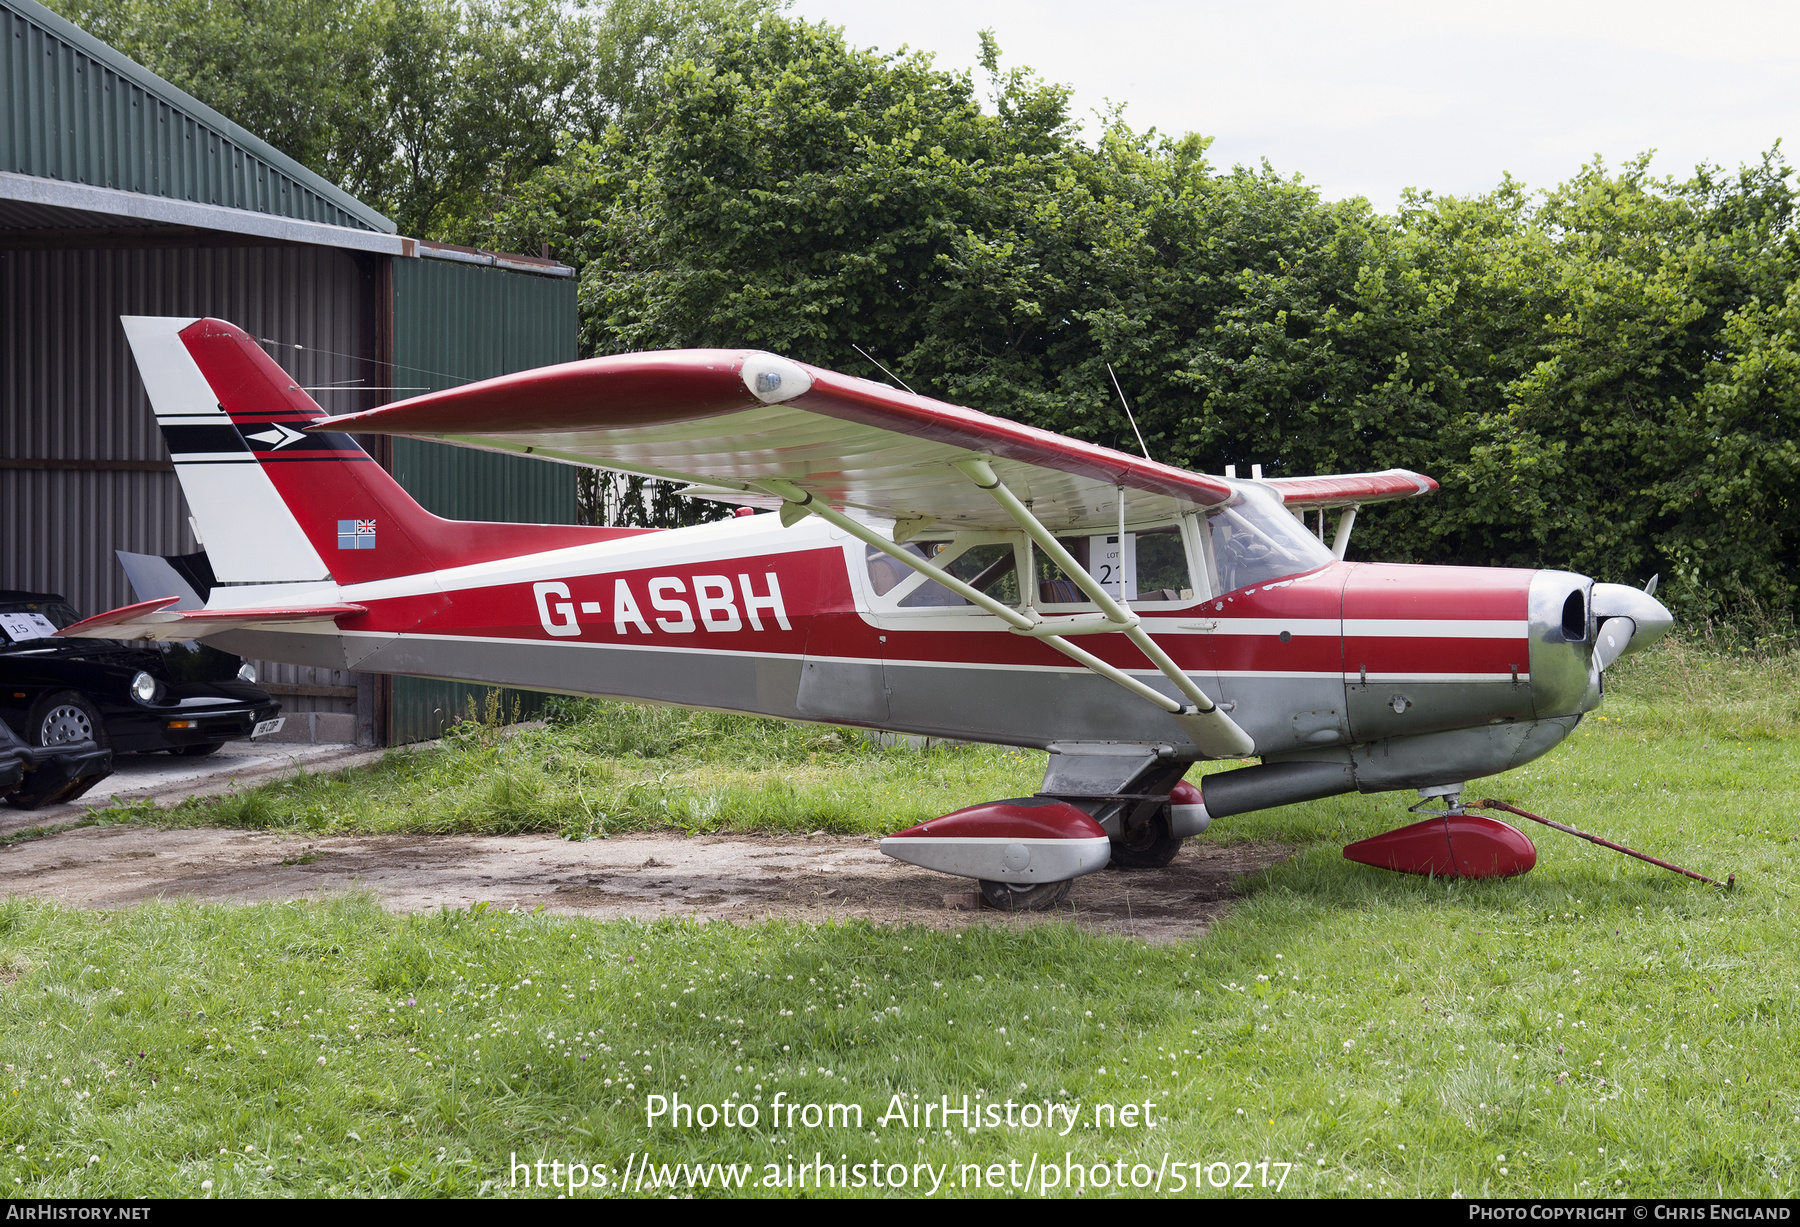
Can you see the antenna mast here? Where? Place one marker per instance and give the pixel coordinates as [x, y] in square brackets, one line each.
[1128, 414]
[865, 353]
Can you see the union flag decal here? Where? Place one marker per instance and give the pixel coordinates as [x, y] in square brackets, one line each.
[356, 534]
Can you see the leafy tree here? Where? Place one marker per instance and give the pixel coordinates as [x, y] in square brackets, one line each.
[428, 109]
[1602, 376]
[1639, 426]
[1575, 368]
[800, 195]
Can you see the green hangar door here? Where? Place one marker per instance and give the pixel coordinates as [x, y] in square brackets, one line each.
[455, 323]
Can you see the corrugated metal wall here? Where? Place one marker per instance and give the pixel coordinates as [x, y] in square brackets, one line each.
[71, 401]
[454, 324]
[74, 109]
[83, 469]
[58, 531]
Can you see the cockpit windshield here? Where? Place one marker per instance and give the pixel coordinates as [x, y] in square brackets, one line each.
[1256, 539]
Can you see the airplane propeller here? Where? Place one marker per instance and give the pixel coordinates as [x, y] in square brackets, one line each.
[1627, 620]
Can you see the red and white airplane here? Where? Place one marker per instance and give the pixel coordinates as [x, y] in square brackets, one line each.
[932, 570]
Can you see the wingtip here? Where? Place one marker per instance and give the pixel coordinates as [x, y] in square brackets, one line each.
[773, 379]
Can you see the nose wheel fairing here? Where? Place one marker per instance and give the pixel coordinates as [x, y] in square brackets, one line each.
[1450, 846]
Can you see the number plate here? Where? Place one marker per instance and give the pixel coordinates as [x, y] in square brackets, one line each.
[268, 726]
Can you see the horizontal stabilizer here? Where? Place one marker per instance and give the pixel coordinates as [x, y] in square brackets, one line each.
[158, 620]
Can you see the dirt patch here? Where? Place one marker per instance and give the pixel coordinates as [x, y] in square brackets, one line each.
[719, 877]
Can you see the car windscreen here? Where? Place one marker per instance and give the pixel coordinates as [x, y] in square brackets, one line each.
[24, 621]
[1256, 539]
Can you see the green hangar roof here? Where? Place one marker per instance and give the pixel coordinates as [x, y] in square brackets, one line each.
[86, 131]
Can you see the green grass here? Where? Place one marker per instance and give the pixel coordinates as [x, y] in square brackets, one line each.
[598, 768]
[1607, 1027]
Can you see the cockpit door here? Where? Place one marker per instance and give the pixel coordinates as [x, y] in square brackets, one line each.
[1275, 626]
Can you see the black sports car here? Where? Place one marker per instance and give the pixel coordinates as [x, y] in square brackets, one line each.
[32, 776]
[188, 700]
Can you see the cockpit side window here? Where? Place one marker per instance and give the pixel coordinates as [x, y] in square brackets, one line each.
[886, 574]
[1255, 539]
[1150, 565]
[989, 567]
[1156, 563]
[1162, 566]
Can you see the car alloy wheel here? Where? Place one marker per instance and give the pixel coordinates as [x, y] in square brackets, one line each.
[64, 725]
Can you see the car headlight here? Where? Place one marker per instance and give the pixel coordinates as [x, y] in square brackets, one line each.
[247, 673]
[144, 688]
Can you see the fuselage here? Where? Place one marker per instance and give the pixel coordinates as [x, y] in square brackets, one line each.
[747, 615]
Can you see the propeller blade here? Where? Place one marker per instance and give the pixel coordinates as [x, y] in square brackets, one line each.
[1614, 637]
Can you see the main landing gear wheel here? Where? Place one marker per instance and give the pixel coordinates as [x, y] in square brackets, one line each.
[1005, 897]
[1151, 846]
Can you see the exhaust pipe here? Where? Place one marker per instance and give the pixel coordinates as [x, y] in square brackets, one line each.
[1273, 784]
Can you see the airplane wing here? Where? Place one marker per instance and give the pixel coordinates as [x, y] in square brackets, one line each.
[156, 620]
[1349, 489]
[721, 420]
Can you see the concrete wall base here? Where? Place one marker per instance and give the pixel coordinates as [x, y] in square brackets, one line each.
[316, 727]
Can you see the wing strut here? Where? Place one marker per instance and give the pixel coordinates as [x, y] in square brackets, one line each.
[1217, 734]
[1341, 541]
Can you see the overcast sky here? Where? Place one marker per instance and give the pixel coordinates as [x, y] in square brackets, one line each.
[1367, 97]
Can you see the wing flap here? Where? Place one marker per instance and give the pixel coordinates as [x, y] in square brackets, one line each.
[156, 620]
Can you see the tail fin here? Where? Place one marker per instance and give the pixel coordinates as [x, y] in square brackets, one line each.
[273, 503]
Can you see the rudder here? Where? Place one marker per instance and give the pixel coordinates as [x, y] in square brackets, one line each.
[274, 502]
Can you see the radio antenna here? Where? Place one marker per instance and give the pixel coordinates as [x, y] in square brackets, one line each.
[1128, 416]
[865, 353]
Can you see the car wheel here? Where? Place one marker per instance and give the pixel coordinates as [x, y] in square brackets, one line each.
[202, 749]
[65, 718]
